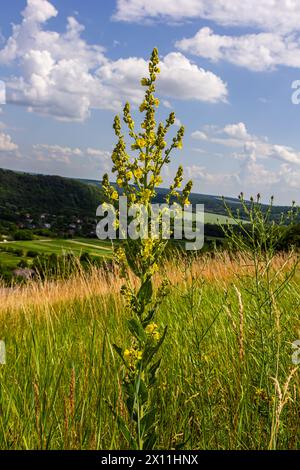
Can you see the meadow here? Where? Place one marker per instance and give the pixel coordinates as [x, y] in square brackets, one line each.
[96, 248]
[226, 380]
[166, 349]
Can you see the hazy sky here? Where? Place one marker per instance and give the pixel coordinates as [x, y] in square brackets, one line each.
[227, 69]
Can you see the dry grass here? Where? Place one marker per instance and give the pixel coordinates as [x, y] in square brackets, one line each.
[222, 268]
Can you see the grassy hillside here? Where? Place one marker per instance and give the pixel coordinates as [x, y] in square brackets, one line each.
[50, 194]
[213, 204]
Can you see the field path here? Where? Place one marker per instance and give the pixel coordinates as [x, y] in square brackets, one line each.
[90, 244]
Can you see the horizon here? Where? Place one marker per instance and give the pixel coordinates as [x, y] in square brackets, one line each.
[164, 188]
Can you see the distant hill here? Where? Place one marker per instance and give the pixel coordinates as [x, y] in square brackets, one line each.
[66, 196]
[49, 194]
[212, 204]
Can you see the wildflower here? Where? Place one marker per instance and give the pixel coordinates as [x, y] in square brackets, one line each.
[129, 175]
[141, 142]
[145, 82]
[138, 173]
[156, 180]
[147, 249]
[132, 356]
[146, 194]
[115, 195]
[143, 106]
[152, 331]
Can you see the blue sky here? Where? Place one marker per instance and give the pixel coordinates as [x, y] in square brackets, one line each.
[226, 70]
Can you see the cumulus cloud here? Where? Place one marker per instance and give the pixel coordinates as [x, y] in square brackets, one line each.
[281, 15]
[6, 143]
[258, 52]
[64, 160]
[236, 136]
[274, 42]
[201, 173]
[57, 152]
[251, 177]
[256, 172]
[61, 75]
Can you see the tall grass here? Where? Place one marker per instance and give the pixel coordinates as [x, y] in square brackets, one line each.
[226, 382]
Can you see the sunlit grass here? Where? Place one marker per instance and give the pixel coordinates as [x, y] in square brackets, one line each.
[61, 367]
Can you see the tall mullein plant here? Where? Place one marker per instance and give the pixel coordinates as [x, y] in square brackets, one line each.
[137, 177]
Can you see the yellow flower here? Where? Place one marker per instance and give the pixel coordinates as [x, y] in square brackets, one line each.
[146, 194]
[119, 182]
[147, 250]
[139, 355]
[141, 142]
[150, 328]
[156, 179]
[152, 331]
[115, 195]
[127, 353]
[138, 173]
[132, 356]
[129, 175]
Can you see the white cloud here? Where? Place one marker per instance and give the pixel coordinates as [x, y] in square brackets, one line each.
[258, 52]
[82, 162]
[177, 122]
[283, 15]
[167, 104]
[57, 151]
[6, 143]
[201, 173]
[256, 172]
[179, 78]
[237, 131]
[236, 136]
[61, 75]
[98, 153]
[199, 135]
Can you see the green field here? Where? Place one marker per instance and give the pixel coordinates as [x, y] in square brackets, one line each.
[78, 246]
[218, 219]
[96, 248]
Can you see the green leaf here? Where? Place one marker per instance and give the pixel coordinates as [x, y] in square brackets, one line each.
[143, 391]
[148, 421]
[136, 328]
[149, 317]
[146, 291]
[119, 351]
[152, 372]
[150, 351]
